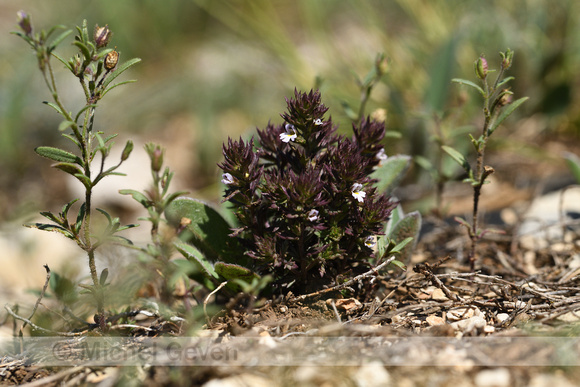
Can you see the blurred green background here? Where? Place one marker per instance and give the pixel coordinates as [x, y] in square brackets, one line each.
[213, 69]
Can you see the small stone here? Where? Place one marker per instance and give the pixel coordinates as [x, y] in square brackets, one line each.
[498, 377]
[460, 313]
[502, 317]
[372, 374]
[347, 304]
[471, 324]
[438, 295]
[241, 381]
[434, 320]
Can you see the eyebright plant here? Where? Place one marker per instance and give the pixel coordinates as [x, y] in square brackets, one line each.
[311, 208]
[305, 201]
[95, 67]
[498, 104]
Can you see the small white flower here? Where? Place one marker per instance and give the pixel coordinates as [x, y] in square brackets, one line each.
[318, 121]
[227, 179]
[370, 242]
[358, 193]
[381, 155]
[313, 215]
[290, 134]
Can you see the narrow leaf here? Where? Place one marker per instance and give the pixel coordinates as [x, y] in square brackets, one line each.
[80, 218]
[84, 180]
[461, 160]
[84, 49]
[65, 125]
[406, 229]
[194, 255]
[57, 154]
[118, 84]
[233, 272]
[64, 62]
[573, 162]
[103, 277]
[399, 264]
[504, 81]
[52, 227]
[424, 163]
[83, 110]
[49, 215]
[71, 169]
[469, 83]
[390, 173]
[119, 70]
[138, 196]
[58, 40]
[55, 107]
[505, 113]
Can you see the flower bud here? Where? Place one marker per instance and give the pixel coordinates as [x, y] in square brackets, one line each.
[111, 60]
[505, 98]
[102, 36]
[382, 64]
[155, 153]
[76, 63]
[481, 68]
[506, 59]
[24, 22]
[127, 151]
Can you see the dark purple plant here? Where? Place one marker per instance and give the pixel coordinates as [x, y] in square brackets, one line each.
[304, 199]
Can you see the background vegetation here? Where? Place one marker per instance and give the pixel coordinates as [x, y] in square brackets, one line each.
[216, 69]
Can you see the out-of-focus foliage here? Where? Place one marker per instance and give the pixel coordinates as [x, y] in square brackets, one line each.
[214, 69]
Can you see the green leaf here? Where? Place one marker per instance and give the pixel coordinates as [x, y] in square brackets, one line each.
[55, 107]
[348, 111]
[117, 84]
[71, 169]
[138, 196]
[390, 173]
[63, 61]
[424, 163]
[85, 180]
[51, 227]
[84, 49]
[573, 162]
[119, 70]
[441, 68]
[57, 154]
[58, 40]
[505, 113]
[49, 215]
[208, 230]
[80, 218]
[469, 83]
[399, 264]
[194, 255]
[461, 160]
[231, 272]
[67, 207]
[103, 277]
[504, 81]
[403, 231]
[74, 140]
[65, 125]
[83, 110]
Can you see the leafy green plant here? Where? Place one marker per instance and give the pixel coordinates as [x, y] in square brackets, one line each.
[95, 67]
[309, 204]
[155, 200]
[497, 106]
